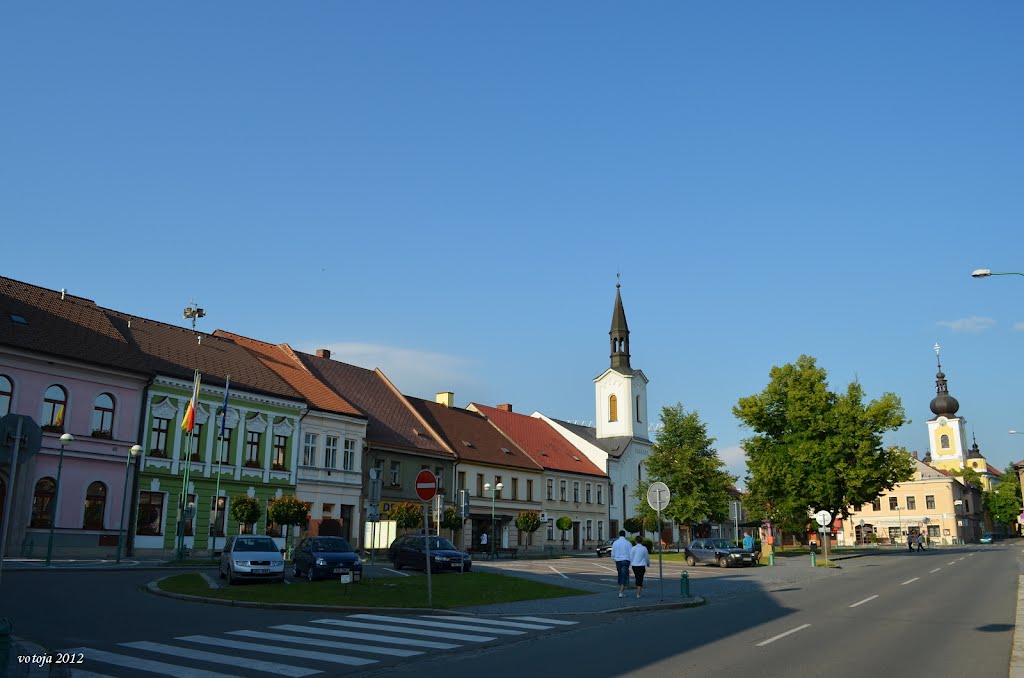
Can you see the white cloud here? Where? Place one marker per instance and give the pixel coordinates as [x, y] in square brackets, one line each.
[735, 460]
[1018, 327]
[413, 372]
[974, 324]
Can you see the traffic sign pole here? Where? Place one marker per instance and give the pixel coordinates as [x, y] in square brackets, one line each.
[10, 492]
[658, 496]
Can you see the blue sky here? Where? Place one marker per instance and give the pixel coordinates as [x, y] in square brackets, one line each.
[447, 190]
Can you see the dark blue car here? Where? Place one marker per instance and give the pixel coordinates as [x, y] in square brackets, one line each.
[318, 557]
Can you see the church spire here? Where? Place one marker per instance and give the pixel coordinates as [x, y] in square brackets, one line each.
[943, 404]
[619, 334]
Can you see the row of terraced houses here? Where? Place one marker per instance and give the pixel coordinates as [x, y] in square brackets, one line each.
[295, 423]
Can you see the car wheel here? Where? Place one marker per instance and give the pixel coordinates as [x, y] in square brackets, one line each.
[310, 577]
[398, 565]
[295, 570]
[231, 580]
[691, 561]
[723, 562]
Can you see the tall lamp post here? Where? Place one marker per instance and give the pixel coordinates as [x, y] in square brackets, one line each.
[65, 439]
[985, 273]
[497, 489]
[133, 452]
[958, 511]
[899, 521]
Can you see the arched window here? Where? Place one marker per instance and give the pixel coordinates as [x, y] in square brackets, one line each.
[944, 442]
[103, 416]
[638, 420]
[95, 503]
[6, 393]
[42, 501]
[55, 402]
[613, 408]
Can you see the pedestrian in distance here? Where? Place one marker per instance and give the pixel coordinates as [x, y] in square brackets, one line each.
[640, 559]
[621, 549]
[910, 542]
[748, 541]
[920, 542]
[483, 539]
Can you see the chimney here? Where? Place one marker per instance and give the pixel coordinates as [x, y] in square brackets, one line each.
[505, 407]
[446, 398]
[323, 353]
[63, 294]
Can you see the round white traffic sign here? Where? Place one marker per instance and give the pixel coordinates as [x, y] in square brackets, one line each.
[658, 496]
[823, 518]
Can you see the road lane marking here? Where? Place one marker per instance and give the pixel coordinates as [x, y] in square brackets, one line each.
[375, 637]
[390, 651]
[244, 662]
[410, 632]
[144, 664]
[951, 563]
[544, 620]
[557, 572]
[611, 569]
[782, 635]
[864, 601]
[433, 624]
[288, 651]
[492, 622]
[935, 570]
[404, 574]
[909, 581]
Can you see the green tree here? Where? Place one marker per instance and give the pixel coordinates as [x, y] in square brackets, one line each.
[968, 475]
[406, 515]
[245, 510]
[450, 520]
[1003, 503]
[528, 522]
[287, 511]
[633, 525]
[813, 449]
[564, 523]
[684, 458]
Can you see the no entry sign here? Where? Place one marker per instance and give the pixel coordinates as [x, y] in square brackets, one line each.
[426, 485]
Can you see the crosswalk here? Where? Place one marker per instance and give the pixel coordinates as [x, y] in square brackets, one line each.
[326, 646]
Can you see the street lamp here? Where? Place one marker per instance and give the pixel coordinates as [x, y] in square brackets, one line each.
[133, 452]
[65, 439]
[497, 489]
[899, 520]
[960, 522]
[985, 273]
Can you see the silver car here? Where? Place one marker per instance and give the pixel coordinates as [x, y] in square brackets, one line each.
[249, 556]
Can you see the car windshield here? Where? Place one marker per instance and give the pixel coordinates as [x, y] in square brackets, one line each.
[721, 544]
[337, 545]
[440, 544]
[255, 544]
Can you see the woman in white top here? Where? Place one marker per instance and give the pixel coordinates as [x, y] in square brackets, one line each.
[640, 559]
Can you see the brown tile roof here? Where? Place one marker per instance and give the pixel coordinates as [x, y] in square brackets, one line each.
[73, 327]
[542, 442]
[472, 436]
[286, 364]
[178, 351]
[391, 421]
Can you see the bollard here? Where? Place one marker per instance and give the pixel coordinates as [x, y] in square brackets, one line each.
[814, 559]
[771, 559]
[684, 584]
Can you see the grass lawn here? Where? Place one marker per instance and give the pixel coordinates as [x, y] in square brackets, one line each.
[449, 590]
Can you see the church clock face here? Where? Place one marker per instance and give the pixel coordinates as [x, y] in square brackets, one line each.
[943, 421]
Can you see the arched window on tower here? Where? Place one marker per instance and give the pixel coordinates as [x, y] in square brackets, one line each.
[944, 442]
[613, 408]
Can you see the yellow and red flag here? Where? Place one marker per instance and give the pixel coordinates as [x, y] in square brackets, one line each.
[189, 420]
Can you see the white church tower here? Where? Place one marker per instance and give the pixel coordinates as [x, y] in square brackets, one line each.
[621, 391]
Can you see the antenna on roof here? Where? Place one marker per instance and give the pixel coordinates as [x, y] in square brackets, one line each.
[194, 312]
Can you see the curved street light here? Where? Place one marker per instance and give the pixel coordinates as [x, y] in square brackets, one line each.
[497, 488]
[133, 452]
[985, 273]
[65, 439]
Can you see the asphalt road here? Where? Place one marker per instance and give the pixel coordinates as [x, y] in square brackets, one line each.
[938, 613]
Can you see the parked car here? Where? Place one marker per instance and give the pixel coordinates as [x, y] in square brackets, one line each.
[324, 556]
[604, 548]
[986, 538]
[411, 550]
[721, 552]
[250, 556]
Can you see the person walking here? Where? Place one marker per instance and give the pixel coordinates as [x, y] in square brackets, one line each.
[748, 541]
[920, 542]
[640, 559]
[910, 542]
[621, 555]
[483, 540]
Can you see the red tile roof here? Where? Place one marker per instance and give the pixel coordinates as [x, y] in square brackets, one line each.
[391, 421]
[286, 364]
[471, 436]
[539, 440]
[40, 320]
